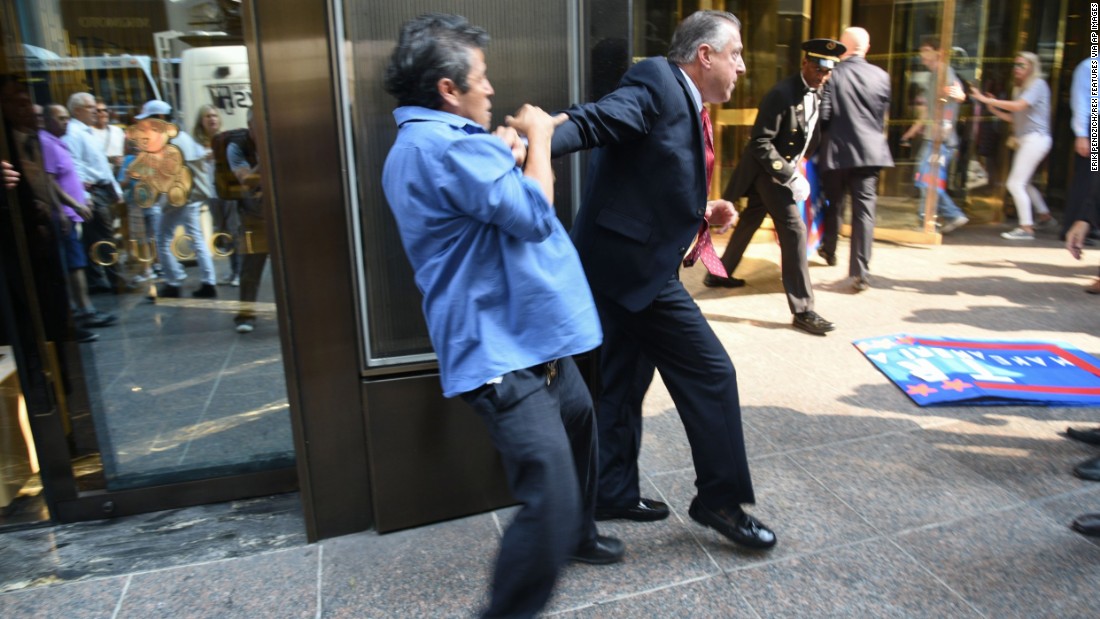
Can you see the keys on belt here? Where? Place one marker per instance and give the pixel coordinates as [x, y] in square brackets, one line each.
[551, 371]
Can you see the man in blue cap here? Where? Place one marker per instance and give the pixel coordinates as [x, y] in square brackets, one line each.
[187, 215]
[786, 131]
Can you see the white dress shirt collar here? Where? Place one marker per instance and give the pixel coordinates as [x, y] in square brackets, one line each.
[696, 96]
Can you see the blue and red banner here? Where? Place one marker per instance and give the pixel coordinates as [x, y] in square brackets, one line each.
[813, 211]
[923, 177]
[942, 371]
[812, 208]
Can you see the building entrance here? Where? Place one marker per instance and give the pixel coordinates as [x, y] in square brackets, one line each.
[141, 354]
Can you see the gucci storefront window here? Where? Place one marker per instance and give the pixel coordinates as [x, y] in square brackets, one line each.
[139, 315]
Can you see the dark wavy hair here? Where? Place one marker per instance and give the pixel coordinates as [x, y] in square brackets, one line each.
[432, 47]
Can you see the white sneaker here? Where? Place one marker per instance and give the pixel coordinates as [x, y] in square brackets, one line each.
[955, 224]
[245, 327]
[1019, 234]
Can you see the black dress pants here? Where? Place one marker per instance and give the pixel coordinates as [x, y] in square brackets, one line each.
[672, 336]
[100, 228]
[1084, 194]
[769, 198]
[862, 185]
[542, 424]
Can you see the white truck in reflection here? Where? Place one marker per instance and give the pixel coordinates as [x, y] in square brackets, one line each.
[125, 82]
[219, 76]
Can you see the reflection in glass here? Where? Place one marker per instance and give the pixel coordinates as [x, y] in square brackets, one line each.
[979, 50]
[150, 252]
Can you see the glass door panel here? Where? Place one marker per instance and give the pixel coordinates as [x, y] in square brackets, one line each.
[978, 40]
[158, 330]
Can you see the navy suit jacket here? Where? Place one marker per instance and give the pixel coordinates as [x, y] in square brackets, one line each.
[853, 115]
[645, 194]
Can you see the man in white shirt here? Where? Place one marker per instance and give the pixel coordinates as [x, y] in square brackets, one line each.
[110, 137]
[95, 171]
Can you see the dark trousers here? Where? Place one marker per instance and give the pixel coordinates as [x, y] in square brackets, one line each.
[227, 220]
[254, 248]
[100, 227]
[768, 198]
[672, 336]
[252, 270]
[546, 438]
[1084, 194]
[862, 185]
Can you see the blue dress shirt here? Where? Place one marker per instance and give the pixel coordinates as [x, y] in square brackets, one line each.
[1080, 96]
[503, 286]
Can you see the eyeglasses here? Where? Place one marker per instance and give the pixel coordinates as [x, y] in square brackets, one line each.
[1020, 65]
[101, 110]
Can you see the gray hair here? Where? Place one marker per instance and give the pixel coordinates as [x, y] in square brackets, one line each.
[698, 28]
[79, 99]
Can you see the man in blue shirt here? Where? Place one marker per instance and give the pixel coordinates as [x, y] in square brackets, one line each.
[505, 297]
[1084, 190]
[241, 157]
[1085, 199]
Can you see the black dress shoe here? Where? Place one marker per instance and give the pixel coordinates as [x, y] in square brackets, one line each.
[810, 322]
[713, 281]
[830, 259]
[604, 551]
[741, 528]
[1087, 524]
[206, 291]
[647, 510]
[1089, 469]
[168, 291]
[1092, 437]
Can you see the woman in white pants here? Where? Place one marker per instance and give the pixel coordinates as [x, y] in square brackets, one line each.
[1029, 113]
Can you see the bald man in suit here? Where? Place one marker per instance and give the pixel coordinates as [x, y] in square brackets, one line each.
[853, 150]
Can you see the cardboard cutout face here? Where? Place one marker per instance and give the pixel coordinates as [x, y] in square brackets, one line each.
[159, 167]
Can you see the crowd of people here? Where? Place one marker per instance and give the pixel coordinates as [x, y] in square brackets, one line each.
[499, 273]
[112, 200]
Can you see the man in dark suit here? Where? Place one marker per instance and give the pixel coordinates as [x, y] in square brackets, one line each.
[786, 131]
[644, 204]
[853, 151]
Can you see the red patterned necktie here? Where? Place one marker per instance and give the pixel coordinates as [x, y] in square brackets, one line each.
[704, 249]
